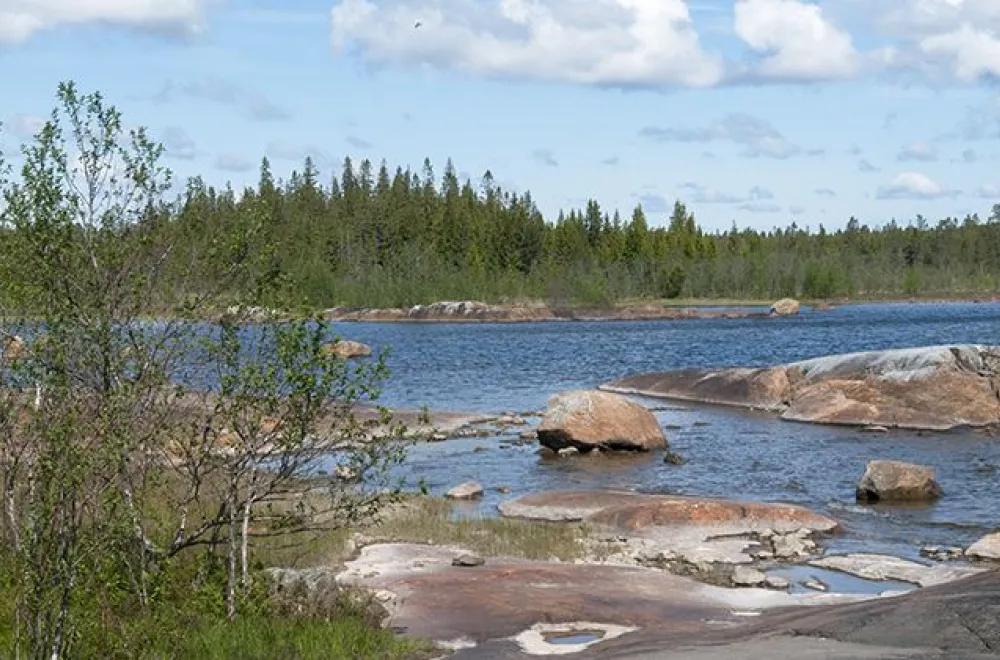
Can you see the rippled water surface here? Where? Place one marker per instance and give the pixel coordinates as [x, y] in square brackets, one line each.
[730, 453]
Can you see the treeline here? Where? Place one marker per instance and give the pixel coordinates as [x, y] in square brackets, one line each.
[373, 238]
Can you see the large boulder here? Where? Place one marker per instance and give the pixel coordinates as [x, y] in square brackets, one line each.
[895, 481]
[785, 307]
[348, 349]
[14, 349]
[588, 420]
[932, 388]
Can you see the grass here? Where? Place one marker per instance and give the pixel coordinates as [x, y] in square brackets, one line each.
[430, 520]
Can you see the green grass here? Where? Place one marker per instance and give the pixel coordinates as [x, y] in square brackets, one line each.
[429, 520]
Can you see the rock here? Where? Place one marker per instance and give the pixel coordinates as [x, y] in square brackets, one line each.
[744, 576]
[815, 585]
[785, 307]
[875, 429]
[568, 451]
[437, 437]
[468, 491]
[588, 420]
[931, 388]
[14, 349]
[776, 582]
[673, 459]
[884, 567]
[468, 560]
[791, 546]
[528, 435]
[504, 489]
[939, 553]
[895, 481]
[347, 349]
[987, 547]
[345, 473]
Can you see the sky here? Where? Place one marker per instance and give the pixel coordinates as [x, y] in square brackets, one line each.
[758, 112]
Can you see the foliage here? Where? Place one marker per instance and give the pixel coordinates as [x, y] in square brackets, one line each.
[130, 445]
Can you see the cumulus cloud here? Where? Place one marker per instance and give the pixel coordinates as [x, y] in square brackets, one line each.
[865, 166]
[251, 102]
[796, 41]
[760, 207]
[697, 193]
[757, 136]
[989, 191]
[917, 151]
[913, 185]
[653, 203]
[607, 42]
[22, 19]
[298, 153]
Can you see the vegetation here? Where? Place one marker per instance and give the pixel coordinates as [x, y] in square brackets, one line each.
[148, 468]
[369, 237]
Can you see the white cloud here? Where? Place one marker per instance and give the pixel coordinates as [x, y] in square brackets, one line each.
[233, 163]
[913, 185]
[797, 41]
[917, 151]
[25, 126]
[22, 19]
[699, 194]
[178, 144]
[608, 42]
[757, 136]
[972, 53]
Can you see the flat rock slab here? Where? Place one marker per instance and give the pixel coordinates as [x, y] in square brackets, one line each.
[884, 567]
[507, 597]
[638, 512]
[931, 388]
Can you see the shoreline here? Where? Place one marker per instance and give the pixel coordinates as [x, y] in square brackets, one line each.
[540, 312]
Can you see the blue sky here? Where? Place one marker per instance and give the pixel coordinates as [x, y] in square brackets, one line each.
[754, 111]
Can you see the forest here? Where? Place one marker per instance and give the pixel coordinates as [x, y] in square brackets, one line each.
[373, 238]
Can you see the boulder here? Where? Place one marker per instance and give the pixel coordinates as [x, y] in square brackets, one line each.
[895, 481]
[987, 547]
[468, 491]
[347, 349]
[588, 420]
[785, 307]
[930, 388]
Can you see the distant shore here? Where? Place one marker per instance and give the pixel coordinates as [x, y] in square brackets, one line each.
[528, 312]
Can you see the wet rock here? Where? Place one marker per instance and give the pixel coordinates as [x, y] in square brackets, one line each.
[875, 428]
[895, 481]
[776, 582]
[437, 437]
[884, 567]
[930, 388]
[348, 349]
[791, 546]
[588, 420]
[815, 585]
[528, 436]
[504, 489]
[941, 553]
[785, 307]
[468, 561]
[468, 491]
[672, 458]
[744, 576]
[987, 547]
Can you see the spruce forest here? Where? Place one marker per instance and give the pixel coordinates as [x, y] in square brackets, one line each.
[371, 237]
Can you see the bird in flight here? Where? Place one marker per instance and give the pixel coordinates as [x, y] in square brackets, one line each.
[417, 24]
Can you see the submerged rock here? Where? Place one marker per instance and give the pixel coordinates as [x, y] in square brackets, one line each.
[348, 349]
[588, 420]
[895, 481]
[930, 388]
[744, 576]
[884, 567]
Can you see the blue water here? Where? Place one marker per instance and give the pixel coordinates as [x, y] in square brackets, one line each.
[729, 453]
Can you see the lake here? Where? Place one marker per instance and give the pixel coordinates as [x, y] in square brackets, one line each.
[729, 453]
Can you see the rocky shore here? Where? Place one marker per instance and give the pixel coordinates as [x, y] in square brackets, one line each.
[478, 312]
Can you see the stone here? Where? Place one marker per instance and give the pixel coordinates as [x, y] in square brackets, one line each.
[776, 582]
[672, 458]
[815, 585]
[467, 491]
[588, 420]
[785, 307]
[934, 388]
[468, 561]
[883, 567]
[895, 481]
[347, 349]
[504, 489]
[744, 576]
[987, 547]
[14, 349]
[528, 435]
[939, 553]
[791, 546]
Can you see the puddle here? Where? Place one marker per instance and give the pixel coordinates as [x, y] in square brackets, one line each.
[836, 582]
[573, 637]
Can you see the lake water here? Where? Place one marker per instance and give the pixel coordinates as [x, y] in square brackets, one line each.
[729, 453]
